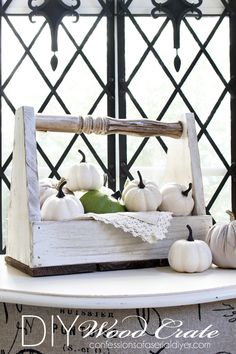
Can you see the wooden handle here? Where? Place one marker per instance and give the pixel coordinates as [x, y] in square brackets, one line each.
[107, 125]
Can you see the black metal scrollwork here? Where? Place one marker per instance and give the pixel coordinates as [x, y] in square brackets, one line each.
[54, 11]
[176, 10]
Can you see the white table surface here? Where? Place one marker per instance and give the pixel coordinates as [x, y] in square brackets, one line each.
[153, 287]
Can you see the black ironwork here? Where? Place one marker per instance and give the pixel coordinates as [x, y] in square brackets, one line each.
[111, 103]
[122, 92]
[54, 11]
[177, 89]
[176, 10]
[232, 5]
[1, 231]
[107, 88]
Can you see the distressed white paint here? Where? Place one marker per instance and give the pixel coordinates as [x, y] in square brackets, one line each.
[39, 244]
[24, 198]
[183, 162]
[89, 241]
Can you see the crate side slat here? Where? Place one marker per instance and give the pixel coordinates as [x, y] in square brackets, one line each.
[24, 198]
[89, 241]
[183, 162]
[198, 191]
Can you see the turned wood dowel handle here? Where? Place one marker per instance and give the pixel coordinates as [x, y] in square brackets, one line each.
[107, 125]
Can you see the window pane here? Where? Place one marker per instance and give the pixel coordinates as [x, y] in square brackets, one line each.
[202, 79]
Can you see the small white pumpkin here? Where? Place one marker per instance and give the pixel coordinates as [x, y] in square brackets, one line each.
[222, 241]
[141, 195]
[61, 206]
[104, 189]
[84, 176]
[48, 187]
[177, 199]
[189, 255]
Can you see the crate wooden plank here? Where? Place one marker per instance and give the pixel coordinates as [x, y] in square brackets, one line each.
[89, 241]
[183, 163]
[24, 198]
[85, 268]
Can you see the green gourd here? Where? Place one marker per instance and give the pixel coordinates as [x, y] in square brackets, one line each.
[97, 202]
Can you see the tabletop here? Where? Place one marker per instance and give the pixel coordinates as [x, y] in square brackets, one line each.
[150, 287]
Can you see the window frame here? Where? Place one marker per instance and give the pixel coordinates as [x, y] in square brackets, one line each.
[116, 100]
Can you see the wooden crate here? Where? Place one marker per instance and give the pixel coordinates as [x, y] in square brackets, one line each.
[45, 248]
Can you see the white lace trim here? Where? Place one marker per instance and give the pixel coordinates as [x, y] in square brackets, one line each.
[150, 226]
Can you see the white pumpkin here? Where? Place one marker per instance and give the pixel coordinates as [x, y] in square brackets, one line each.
[141, 195]
[61, 206]
[221, 239]
[177, 199]
[48, 187]
[104, 189]
[189, 255]
[84, 176]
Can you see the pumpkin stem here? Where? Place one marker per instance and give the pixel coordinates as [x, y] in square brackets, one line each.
[83, 156]
[60, 185]
[185, 193]
[190, 236]
[116, 195]
[231, 215]
[105, 179]
[141, 184]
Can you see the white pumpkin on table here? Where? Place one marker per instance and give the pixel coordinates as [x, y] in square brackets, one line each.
[221, 239]
[141, 195]
[177, 198]
[84, 176]
[61, 206]
[189, 255]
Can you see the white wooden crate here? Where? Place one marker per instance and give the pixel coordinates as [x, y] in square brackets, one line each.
[44, 248]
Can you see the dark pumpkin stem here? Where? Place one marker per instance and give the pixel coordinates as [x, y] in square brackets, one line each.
[105, 179]
[83, 156]
[116, 195]
[185, 193]
[60, 185]
[190, 236]
[141, 184]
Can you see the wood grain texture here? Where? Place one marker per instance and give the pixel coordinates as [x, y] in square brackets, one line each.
[32, 180]
[38, 244]
[183, 163]
[24, 197]
[19, 227]
[198, 191]
[85, 268]
[89, 241]
[55, 270]
[106, 125]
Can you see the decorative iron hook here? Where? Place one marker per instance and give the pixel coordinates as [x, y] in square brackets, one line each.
[54, 11]
[176, 10]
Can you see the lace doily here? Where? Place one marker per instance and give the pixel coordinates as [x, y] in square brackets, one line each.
[150, 226]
